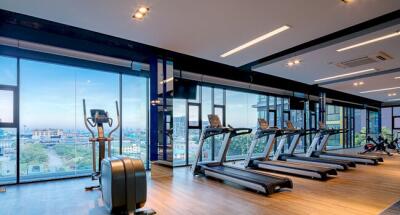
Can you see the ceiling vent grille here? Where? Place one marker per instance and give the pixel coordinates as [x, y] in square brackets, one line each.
[379, 57]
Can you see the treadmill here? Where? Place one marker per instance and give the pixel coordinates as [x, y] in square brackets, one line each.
[263, 183]
[292, 157]
[317, 149]
[264, 162]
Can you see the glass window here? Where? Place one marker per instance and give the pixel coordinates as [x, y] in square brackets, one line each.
[335, 120]
[193, 141]
[54, 141]
[8, 71]
[246, 105]
[194, 115]
[180, 129]
[386, 117]
[360, 128]
[206, 107]
[6, 106]
[134, 106]
[396, 111]
[8, 155]
[272, 102]
[218, 96]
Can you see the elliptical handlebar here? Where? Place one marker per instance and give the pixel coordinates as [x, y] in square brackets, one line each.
[87, 120]
[118, 120]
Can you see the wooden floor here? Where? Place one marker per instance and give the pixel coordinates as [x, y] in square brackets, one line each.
[364, 190]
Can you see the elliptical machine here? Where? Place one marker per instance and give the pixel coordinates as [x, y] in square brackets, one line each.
[122, 180]
[373, 145]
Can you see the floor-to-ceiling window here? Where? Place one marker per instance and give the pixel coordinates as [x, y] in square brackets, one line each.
[53, 141]
[243, 103]
[135, 117]
[334, 119]
[360, 126]
[386, 119]
[8, 123]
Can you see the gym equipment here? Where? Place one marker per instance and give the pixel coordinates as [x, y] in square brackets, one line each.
[264, 162]
[377, 146]
[122, 180]
[394, 144]
[292, 157]
[264, 183]
[320, 141]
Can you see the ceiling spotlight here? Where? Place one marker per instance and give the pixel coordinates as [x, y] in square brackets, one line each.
[355, 84]
[392, 94]
[138, 15]
[361, 83]
[143, 10]
[347, 1]
[290, 63]
[296, 61]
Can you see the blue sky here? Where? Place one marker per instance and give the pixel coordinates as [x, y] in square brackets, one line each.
[51, 95]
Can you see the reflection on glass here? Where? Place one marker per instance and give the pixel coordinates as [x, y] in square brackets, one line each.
[8, 71]
[8, 163]
[6, 106]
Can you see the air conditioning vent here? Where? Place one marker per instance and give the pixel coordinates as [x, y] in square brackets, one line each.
[380, 56]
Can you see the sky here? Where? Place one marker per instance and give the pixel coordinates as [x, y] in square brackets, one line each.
[51, 95]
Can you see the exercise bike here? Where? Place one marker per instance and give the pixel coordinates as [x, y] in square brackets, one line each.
[373, 145]
[122, 180]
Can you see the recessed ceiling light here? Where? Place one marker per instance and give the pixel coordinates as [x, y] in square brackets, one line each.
[296, 61]
[379, 90]
[361, 83]
[344, 75]
[370, 41]
[290, 63]
[138, 15]
[392, 94]
[256, 40]
[143, 10]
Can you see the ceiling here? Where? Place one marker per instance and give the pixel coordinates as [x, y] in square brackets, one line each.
[208, 28]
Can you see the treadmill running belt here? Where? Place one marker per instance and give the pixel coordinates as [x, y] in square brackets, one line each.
[257, 178]
[297, 166]
[379, 159]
